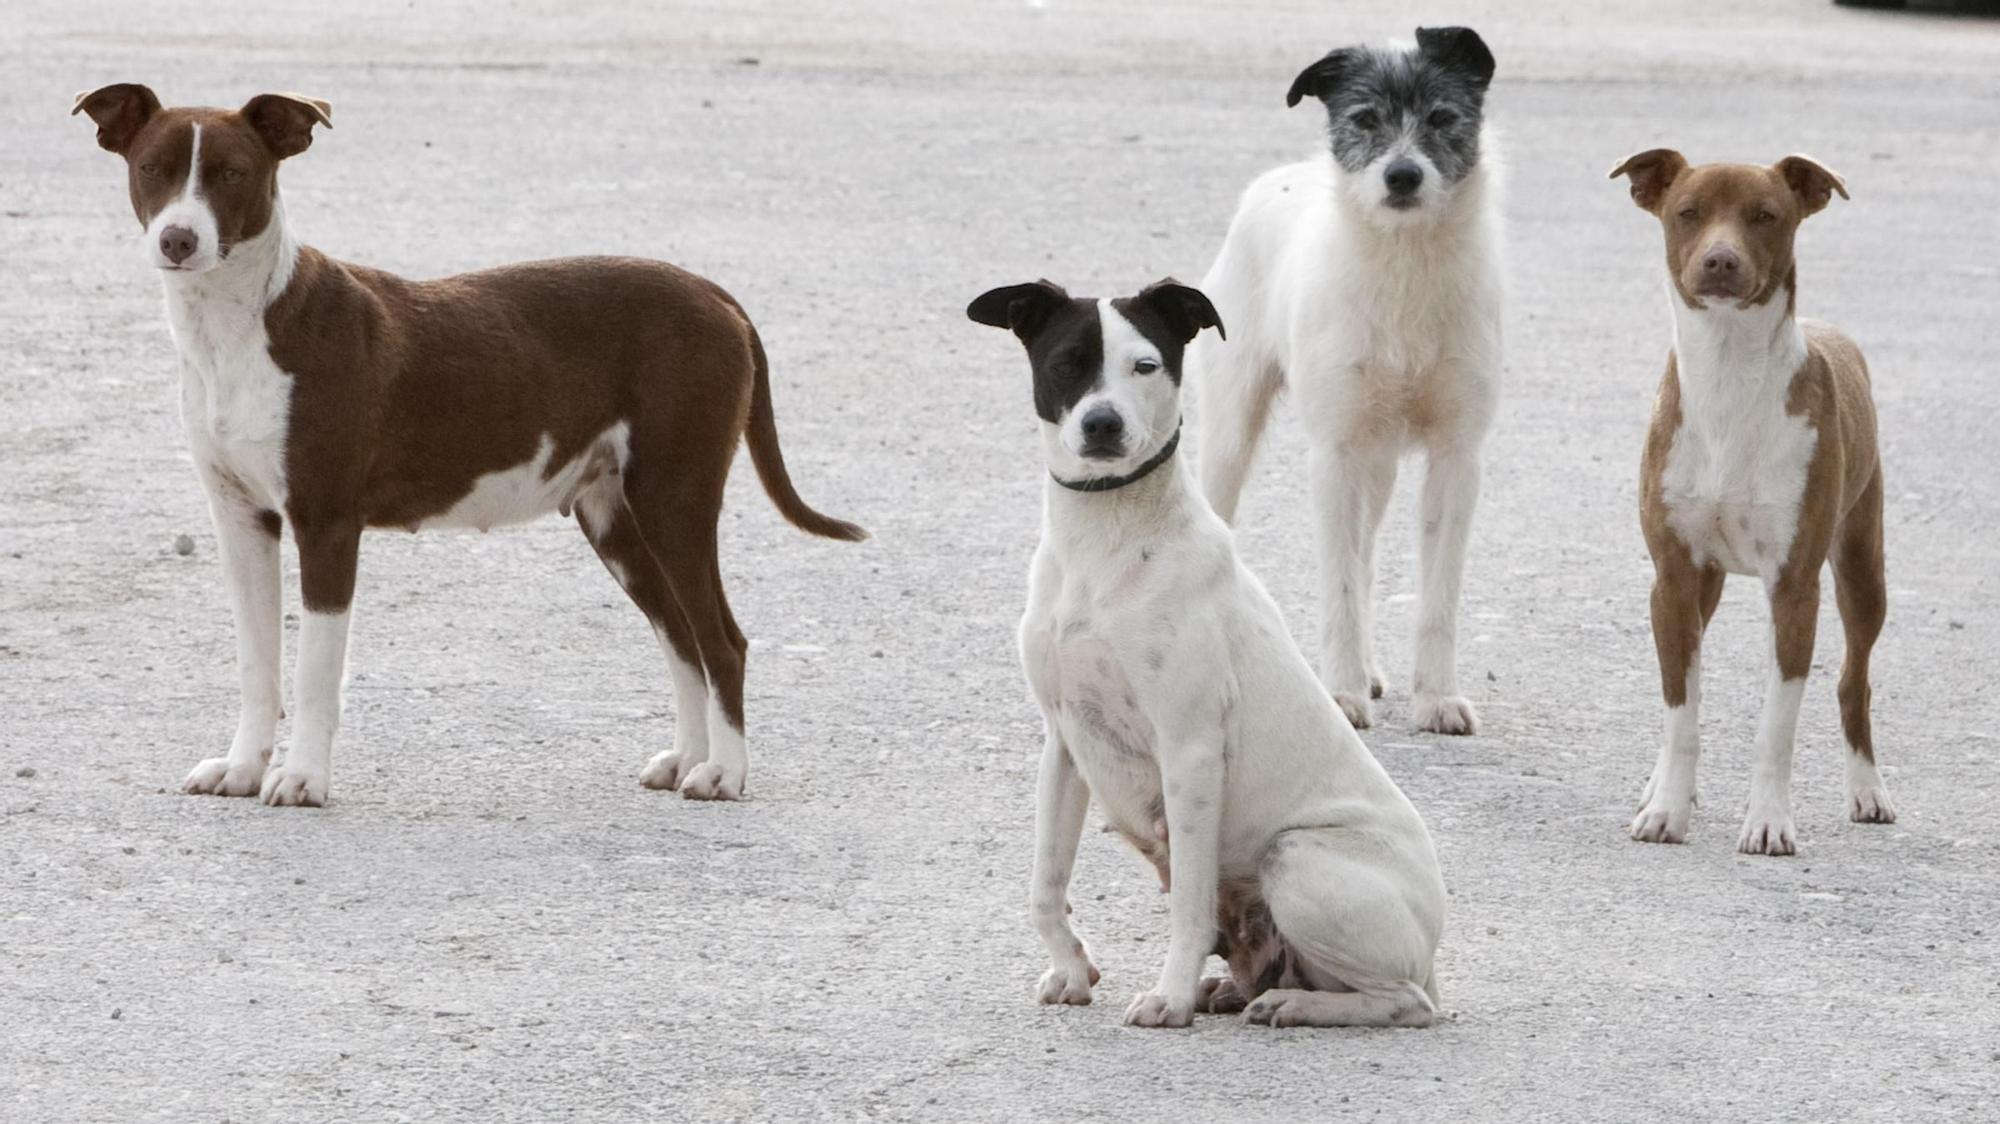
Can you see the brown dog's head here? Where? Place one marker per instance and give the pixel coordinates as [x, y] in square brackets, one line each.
[202, 180]
[1729, 226]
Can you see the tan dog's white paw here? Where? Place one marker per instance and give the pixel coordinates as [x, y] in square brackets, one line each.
[1662, 821]
[1767, 832]
[1068, 984]
[708, 781]
[1151, 1009]
[668, 769]
[286, 787]
[1445, 714]
[1870, 805]
[1356, 708]
[214, 777]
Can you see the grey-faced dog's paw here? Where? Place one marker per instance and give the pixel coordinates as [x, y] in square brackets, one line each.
[1446, 714]
[1151, 1009]
[1219, 995]
[216, 777]
[1069, 984]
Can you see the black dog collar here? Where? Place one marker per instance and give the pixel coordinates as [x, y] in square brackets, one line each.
[1110, 483]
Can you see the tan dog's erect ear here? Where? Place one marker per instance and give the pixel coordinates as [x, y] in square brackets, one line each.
[1813, 182]
[285, 121]
[120, 111]
[1653, 172]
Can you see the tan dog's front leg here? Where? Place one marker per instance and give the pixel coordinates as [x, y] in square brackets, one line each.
[1767, 824]
[1192, 774]
[1062, 799]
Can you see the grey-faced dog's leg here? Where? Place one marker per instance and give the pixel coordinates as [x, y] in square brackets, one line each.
[1191, 774]
[1062, 798]
[1351, 485]
[249, 546]
[1451, 490]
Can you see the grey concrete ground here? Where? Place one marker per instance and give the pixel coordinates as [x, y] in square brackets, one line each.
[493, 921]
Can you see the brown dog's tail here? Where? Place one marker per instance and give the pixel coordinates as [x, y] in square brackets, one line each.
[762, 437]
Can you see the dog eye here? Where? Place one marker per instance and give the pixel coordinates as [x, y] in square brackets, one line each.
[1690, 213]
[1145, 366]
[149, 170]
[1443, 118]
[232, 175]
[1364, 119]
[1762, 217]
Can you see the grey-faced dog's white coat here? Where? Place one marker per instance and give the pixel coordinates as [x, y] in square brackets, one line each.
[1173, 694]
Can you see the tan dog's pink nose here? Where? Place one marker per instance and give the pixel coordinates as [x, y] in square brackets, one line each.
[1721, 262]
[178, 243]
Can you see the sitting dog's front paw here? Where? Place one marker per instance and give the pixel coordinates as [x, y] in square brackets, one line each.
[1768, 832]
[669, 769]
[287, 787]
[1446, 714]
[1219, 995]
[1069, 984]
[216, 777]
[1356, 709]
[709, 781]
[1150, 1008]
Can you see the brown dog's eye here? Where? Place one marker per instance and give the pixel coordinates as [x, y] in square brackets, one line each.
[232, 175]
[1690, 213]
[150, 171]
[1762, 217]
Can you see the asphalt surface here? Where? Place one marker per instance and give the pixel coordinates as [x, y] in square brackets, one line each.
[491, 920]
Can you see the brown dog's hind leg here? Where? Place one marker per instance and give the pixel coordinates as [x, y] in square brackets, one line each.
[1861, 589]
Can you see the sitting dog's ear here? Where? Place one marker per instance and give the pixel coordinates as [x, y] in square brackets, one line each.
[1019, 308]
[1653, 172]
[1457, 48]
[1813, 182]
[285, 121]
[1185, 308]
[1323, 77]
[120, 111]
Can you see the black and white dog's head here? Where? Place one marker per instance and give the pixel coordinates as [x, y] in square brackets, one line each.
[1107, 372]
[1404, 124]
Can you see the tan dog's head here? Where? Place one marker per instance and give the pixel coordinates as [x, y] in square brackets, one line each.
[201, 180]
[1729, 227]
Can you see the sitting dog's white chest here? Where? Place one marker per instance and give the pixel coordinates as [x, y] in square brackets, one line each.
[1109, 737]
[235, 401]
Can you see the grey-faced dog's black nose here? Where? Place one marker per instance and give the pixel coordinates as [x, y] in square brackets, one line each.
[1103, 432]
[1403, 177]
[178, 243]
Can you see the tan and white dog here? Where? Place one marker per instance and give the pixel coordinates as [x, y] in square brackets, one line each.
[1172, 692]
[329, 398]
[1761, 461]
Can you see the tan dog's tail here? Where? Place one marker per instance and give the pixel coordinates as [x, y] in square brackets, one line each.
[762, 436]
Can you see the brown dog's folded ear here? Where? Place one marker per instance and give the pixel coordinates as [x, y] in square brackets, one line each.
[1813, 182]
[1184, 307]
[120, 111]
[285, 121]
[1019, 308]
[1653, 172]
[1323, 77]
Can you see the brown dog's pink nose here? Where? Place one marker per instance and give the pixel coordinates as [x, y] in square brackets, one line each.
[178, 243]
[1721, 261]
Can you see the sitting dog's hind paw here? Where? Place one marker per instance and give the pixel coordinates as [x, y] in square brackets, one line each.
[1219, 995]
[1356, 709]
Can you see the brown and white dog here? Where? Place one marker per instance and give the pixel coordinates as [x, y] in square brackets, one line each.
[1761, 461]
[332, 398]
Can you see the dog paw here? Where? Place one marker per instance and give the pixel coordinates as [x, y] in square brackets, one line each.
[1278, 1008]
[1767, 832]
[1661, 821]
[1356, 709]
[1068, 984]
[1870, 805]
[286, 787]
[1219, 995]
[669, 769]
[1151, 1009]
[1446, 714]
[709, 781]
[1375, 684]
[215, 777]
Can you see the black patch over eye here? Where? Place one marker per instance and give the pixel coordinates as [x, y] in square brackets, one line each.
[1364, 119]
[1442, 119]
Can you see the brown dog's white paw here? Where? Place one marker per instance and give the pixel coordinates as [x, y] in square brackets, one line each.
[710, 781]
[668, 769]
[1662, 821]
[1870, 805]
[1446, 714]
[1768, 833]
[216, 777]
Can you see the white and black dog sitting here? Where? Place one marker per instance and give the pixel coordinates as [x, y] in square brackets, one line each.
[1172, 692]
[1368, 280]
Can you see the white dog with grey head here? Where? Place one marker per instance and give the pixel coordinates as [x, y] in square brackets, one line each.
[1368, 281]
[1173, 694]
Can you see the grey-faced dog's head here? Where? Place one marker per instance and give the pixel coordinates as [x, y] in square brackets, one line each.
[1107, 372]
[1403, 124]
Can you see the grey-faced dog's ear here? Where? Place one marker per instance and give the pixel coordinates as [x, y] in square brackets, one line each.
[1652, 172]
[1018, 308]
[1457, 48]
[1813, 182]
[1185, 308]
[1324, 76]
[286, 121]
[120, 110]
